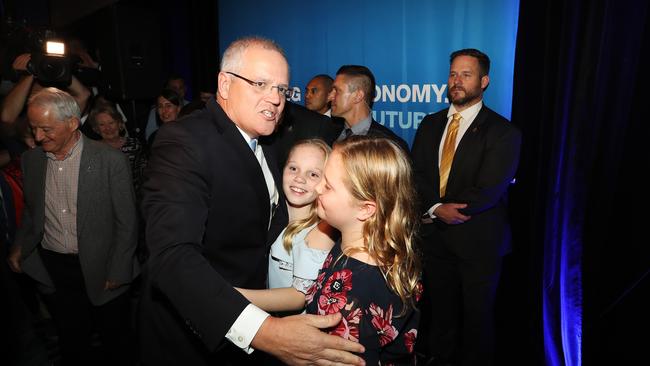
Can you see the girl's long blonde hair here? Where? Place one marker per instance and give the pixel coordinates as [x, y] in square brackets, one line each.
[378, 170]
[297, 226]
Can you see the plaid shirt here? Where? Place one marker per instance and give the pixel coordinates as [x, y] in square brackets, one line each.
[61, 184]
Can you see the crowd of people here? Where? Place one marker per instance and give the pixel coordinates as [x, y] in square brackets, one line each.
[244, 229]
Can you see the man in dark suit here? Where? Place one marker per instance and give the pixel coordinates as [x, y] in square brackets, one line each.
[464, 157]
[78, 233]
[317, 93]
[352, 96]
[299, 123]
[210, 205]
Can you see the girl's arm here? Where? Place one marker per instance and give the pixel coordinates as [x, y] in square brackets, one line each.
[275, 299]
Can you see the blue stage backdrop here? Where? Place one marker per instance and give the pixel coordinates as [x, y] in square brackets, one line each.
[405, 43]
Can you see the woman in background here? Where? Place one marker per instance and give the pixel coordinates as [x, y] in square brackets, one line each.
[168, 105]
[108, 123]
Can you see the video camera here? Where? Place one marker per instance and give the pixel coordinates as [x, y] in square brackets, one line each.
[51, 66]
[50, 62]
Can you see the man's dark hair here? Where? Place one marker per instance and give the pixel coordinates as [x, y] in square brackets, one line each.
[171, 96]
[174, 76]
[483, 59]
[325, 78]
[362, 78]
[191, 107]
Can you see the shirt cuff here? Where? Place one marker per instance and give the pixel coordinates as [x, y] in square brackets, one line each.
[244, 329]
[432, 209]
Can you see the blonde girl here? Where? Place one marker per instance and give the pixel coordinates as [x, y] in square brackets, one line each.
[299, 251]
[372, 277]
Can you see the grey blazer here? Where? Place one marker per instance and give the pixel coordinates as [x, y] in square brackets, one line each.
[106, 219]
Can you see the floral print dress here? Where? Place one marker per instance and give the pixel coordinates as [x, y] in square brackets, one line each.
[371, 311]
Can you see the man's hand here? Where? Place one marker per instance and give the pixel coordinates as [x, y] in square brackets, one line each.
[14, 258]
[111, 285]
[448, 213]
[86, 60]
[297, 340]
[20, 63]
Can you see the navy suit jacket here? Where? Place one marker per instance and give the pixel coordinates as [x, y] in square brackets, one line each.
[207, 210]
[299, 123]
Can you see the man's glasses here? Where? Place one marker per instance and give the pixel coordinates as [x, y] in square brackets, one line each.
[264, 87]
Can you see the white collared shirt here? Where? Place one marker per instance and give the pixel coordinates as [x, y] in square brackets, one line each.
[468, 117]
[268, 176]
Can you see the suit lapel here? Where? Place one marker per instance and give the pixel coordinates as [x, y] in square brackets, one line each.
[276, 171]
[271, 161]
[334, 129]
[88, 175]
[241, 151]
[249, 163]
[438, 130]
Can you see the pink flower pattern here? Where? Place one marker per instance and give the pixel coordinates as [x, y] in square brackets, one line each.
[418, 291]
[340, 281]
[333, 297]
[331, 303]
[382, 322]
[309, 296]
[317, 285]
[367, 310]
[328, 261]
[409, 339]
[348, 328]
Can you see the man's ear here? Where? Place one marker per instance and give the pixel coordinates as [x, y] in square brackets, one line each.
[223, 85]
[359, 96]
[73, 123]
[367, 209]
[485, 81]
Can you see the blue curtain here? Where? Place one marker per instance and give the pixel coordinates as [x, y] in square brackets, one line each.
[579, 76]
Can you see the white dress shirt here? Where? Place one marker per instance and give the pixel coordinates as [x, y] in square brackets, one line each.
[467, 117]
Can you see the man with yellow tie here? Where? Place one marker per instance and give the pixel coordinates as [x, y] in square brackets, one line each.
[464, 159]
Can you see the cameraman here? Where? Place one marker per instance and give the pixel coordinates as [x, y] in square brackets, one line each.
[14, 103]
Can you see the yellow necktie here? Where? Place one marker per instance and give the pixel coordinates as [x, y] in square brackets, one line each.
[448, 150]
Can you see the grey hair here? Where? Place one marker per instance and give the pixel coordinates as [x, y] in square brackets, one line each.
[232, 57]
[60, 103]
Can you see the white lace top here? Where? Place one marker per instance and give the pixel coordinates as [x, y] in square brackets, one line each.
[298, 268]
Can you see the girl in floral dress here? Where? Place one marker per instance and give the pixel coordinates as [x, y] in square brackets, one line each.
[372, 277]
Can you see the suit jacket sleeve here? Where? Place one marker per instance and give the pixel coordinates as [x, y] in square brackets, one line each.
[27, 235]
[176, 202]
[423, 156]
[120, 266]
[499, 164]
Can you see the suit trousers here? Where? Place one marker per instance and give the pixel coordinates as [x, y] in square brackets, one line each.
[76, 318]
[458, 306]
